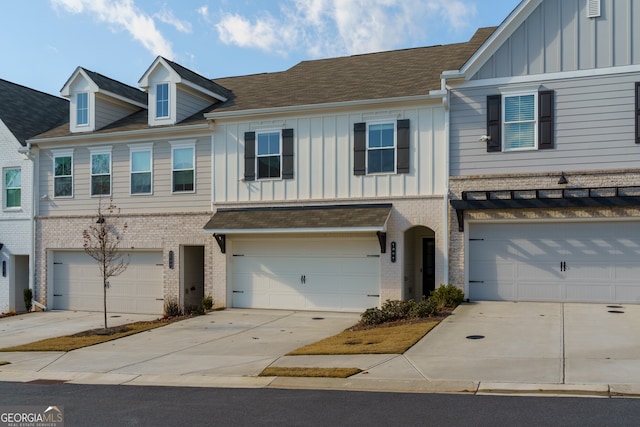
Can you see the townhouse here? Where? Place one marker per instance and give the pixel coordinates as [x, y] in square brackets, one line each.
[545, 155]
[24, 113]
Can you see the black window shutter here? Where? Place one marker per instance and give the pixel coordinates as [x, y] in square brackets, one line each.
[359, 148]
[545, 120]
[287, 153]
[403, 146]
[637, 113]
[249, 156]
[494, 123]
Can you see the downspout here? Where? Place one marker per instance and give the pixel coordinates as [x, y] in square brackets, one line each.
[445, 207]
[35, 200]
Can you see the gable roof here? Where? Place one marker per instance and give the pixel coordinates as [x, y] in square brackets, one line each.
[28, 112]
[106, 84]
[391, 74]
[197, 79]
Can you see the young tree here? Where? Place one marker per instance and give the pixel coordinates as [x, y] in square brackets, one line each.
[102, 241]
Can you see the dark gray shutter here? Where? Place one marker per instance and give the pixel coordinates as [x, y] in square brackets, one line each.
[494, 123]
[402, 161]
[637, 113]
[287, 153]
[545, 120]
[249, 156]
[359, 148]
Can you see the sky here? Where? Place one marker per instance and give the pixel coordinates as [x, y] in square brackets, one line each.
[43, 41]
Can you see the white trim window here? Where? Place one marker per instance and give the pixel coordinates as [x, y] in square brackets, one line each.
[63, 173]
[141, 169]
[268, 155]
[100, 171]
[162, 100]
[82, 109]
[183, 167]
[381, 147]
[12, 188]
[520, 118]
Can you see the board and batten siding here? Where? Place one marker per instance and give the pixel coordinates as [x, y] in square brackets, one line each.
[594, 129]
[323, 159]
[558, 37]
[160, 201]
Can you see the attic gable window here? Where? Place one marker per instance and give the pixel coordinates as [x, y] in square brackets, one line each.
[162, 100]
[82, 109]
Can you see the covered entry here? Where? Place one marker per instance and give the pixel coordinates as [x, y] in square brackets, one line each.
[303, 258]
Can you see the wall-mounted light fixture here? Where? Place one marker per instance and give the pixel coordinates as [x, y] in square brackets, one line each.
[563, 179]
[484, 138]
[1, 246]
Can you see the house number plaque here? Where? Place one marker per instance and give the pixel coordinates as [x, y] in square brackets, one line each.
[393, 251]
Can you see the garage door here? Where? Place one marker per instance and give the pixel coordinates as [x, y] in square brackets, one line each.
[581, 262]
[77, 284]
[306, 274]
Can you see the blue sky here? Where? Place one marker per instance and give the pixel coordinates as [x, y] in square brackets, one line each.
[43, 41]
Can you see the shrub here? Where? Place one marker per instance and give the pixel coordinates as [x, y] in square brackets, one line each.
[195, 310]
[393, 310]
[447, 296]
[425, 308]
[396, 310]
[28, 298]
[207, 303]
[172, 307]
[372, 316]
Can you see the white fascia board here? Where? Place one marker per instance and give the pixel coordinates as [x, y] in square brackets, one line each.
[123, 99]
[127, 134]
[144, 80]
[203, 90]
[79, 71]
[310, 107]
[563, 75]
[499, 36]
[296, 230]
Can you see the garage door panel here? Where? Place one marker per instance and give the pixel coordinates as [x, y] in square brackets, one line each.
[582, 261]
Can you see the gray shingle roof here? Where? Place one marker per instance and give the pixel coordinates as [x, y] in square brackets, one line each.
[117, 87]
[339, 216]
[28, 112]
[199, 80]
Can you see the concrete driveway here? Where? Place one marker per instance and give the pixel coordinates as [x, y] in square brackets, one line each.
[222, 346]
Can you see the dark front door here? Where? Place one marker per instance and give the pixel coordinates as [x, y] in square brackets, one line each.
[428, 265]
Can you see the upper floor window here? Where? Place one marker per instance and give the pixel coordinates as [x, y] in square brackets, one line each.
[12, 188]
[381, 147]
[162, 100]
[520, 121]
[101, 172]
[141, 161]
[183, 172]
[63, 174]
[82, 109]
[268, 155]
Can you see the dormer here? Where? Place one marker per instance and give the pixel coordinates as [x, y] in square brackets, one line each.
[97, 101]
[176, 93]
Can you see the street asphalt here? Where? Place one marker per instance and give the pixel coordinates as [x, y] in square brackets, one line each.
[483, 348]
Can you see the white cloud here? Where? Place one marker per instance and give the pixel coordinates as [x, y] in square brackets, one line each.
[204, 12]
[122, 14]
[334, 27]
[167, 16]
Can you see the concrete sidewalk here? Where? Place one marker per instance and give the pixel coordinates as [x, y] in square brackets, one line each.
[530, 348]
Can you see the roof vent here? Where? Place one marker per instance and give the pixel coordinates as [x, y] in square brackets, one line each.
[593, 8]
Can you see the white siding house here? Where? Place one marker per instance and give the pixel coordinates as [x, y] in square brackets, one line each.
[24, 113]
[545, 121]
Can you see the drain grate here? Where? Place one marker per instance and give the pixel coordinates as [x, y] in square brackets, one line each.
[614, 306]
[475, 337]
[317, 318]
[616, 311]
[43, 381]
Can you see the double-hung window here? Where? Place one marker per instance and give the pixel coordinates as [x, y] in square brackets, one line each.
[381, 148]
[141, 161]
[62, 173]
[519, 127]
[268, 155]
[101, 171]
[82, 109]
[183, 173]
[12, 188]
[162, 100]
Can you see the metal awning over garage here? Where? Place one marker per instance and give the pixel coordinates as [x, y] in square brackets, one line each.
[301, 219]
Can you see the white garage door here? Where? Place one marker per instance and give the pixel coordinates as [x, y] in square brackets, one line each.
[306, 274]
[582, 262]
[77, 284]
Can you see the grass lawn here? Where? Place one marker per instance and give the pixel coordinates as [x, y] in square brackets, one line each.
[383, 339]
[87, 338]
